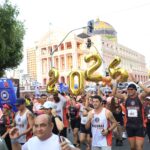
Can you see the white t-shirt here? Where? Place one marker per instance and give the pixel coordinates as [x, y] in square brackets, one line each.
[60, 106]
[52, 143]
[35, 143]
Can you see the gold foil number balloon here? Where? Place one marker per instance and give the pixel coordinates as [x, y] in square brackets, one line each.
[80, 76]
[53, 79]
[115, 72]
[89, 76]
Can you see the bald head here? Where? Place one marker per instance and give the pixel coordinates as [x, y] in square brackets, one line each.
[43, 118]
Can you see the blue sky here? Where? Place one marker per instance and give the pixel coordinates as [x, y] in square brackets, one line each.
[130, 18]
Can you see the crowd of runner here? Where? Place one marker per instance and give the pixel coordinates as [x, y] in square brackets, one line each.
[94, 118]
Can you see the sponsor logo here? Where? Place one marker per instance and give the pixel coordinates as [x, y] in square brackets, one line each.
[132, 103]
[4, 95]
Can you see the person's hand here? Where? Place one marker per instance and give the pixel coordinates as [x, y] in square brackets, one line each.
[54, 113]
[118, 78]
[65, 146]
[132, 78]
[14, 133]
[118, 123]
[104, 132]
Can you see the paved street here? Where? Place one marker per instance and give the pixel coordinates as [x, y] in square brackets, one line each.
[124, 147]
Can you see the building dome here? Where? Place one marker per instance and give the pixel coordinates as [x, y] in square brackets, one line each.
[102, 27]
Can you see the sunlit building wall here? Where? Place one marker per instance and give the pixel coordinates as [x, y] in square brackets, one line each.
[70, 54]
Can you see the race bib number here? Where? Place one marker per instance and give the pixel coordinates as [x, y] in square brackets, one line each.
[148, 116]
[132, 113]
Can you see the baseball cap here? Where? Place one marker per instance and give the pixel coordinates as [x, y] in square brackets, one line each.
[49, 105]
[20, 101]
[133, 86]
[147, 98]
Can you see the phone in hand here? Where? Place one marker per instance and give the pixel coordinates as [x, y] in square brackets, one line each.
[61, 139]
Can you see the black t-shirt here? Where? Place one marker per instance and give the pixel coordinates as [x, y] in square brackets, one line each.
[134, 112]
[73, 112]
[119, 117]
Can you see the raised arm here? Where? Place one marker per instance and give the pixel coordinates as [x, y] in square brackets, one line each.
[115, 92]
[146, 91]
[58, 121]
[90, 117]
[99, 92]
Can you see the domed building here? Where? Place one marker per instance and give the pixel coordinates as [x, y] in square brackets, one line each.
[101, 27]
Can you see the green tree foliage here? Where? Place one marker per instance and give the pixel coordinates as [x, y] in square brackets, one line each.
[11, 37]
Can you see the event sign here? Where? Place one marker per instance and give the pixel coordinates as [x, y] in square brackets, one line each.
[7, 92]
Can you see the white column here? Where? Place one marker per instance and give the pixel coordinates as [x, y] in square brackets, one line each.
[74, 60]
[74, 55]
[48, 64]
[65, 61]
[52, 59]
[59, 62]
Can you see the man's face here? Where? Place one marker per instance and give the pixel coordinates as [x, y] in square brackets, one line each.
[5, 110]
[42, 128]
[44, 98]
[131, 91]
[21, 106]
[96, 103]
[47, 111]
[51, 98]
[72, 101]
[56, 99]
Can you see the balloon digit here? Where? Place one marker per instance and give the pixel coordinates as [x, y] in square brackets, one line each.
[53, 79]
[115, 72]
[80, 88]
[89, 72]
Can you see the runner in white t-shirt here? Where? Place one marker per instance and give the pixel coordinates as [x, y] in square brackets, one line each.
[23, 121]
[102, 123]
